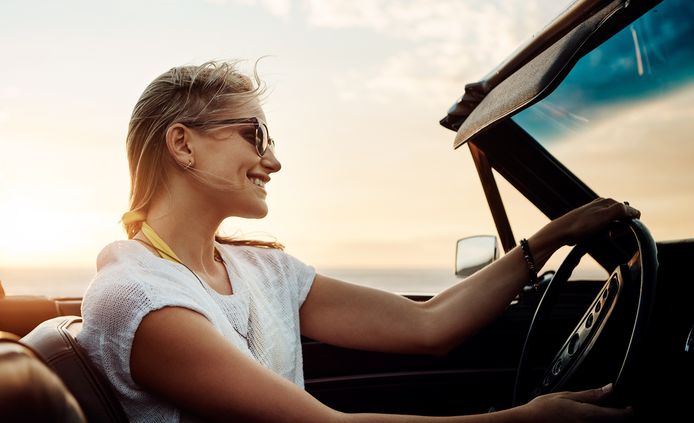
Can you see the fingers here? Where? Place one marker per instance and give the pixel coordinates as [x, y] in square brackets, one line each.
[591, 218]
[590, 401]
[622, 210]
[630, 211]
[592, 396]
[607, 414]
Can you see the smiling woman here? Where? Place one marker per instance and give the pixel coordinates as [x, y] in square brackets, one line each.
[254, 333]
[199, 151]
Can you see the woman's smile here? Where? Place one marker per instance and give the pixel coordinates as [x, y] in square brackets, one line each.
[258, 182]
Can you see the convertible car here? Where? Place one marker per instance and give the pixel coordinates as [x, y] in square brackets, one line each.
[600, 102]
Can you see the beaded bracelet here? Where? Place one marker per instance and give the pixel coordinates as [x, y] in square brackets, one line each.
[530, 261]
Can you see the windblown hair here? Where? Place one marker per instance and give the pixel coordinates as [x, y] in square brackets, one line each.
[190, 95]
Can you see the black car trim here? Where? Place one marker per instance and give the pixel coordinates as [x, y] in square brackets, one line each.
[577, 12]
[541, 178]
[491, 192]
[573, 17]
[533, 81]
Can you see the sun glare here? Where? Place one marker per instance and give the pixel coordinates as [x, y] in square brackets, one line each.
[38, 234]
[24, 238]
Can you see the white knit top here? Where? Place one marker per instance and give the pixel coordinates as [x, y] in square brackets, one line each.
[269, 287]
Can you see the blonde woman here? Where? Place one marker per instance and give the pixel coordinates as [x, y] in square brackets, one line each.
[190, 326]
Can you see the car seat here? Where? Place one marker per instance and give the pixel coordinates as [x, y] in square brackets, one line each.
[29, 390]
[54, 341]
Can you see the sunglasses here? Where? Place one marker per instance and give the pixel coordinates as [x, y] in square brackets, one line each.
[262, 140]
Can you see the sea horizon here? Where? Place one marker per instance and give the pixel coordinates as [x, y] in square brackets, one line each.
[73, 281]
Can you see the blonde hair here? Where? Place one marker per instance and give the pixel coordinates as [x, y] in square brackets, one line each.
[189, 95]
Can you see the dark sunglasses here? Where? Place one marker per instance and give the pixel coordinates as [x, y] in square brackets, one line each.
[262, 135]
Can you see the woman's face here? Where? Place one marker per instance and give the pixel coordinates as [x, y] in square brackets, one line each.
[227, 158]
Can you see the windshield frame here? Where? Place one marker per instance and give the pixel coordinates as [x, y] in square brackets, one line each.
[501, 144]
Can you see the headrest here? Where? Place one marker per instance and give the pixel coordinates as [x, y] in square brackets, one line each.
[29, 390]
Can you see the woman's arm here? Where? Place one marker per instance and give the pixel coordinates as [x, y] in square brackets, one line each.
[347, 315]
[178, 355]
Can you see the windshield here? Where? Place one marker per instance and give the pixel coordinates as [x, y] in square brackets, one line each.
[623, 119]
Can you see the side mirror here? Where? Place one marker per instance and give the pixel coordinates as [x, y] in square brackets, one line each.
[473, 253]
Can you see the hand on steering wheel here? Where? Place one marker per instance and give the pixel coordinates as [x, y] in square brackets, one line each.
[608, 339]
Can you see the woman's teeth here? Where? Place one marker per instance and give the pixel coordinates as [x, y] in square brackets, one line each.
[258, 181]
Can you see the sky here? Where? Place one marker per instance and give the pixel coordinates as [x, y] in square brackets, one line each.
[357, 88]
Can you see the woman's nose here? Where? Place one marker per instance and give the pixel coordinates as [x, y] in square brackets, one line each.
[270, 162]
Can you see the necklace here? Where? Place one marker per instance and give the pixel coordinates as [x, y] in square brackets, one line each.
[167, 253]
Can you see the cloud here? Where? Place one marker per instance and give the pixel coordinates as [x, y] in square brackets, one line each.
[446, 44]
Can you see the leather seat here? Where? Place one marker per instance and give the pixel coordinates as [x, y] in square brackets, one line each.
[29, 390]
[54, 341]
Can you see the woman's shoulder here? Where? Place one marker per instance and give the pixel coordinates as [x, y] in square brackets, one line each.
[126, 269]
[131, 282]
[118, 252]
[114, 265]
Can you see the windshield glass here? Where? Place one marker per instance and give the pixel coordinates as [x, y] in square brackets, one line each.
[623, 119]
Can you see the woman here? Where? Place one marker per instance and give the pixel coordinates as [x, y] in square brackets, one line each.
[187, 325]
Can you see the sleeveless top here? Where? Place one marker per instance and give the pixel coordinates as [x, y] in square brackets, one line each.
[260, 318]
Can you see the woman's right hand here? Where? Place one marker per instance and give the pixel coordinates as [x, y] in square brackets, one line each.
[590, 218]
[581, 406]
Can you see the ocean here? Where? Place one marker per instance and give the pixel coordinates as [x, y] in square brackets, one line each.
[72, 282]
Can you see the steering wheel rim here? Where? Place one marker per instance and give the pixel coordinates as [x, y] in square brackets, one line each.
[631, 286]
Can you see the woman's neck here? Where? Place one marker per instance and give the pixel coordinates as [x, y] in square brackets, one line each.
[190, 233]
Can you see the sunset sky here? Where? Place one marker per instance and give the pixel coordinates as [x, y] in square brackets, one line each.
[357, 87]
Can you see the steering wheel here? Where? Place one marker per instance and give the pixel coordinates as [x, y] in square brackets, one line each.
[608, 340]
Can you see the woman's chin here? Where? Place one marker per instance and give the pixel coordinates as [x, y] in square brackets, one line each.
[258, 213]
[250, 210]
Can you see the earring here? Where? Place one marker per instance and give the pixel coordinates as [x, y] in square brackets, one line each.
[189, 165]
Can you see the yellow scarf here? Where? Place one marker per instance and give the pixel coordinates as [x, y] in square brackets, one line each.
[159, 244]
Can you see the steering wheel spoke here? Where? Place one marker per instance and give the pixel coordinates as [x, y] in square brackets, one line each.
[581, 340]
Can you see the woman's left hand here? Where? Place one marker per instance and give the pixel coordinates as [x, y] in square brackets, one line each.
[589, 218]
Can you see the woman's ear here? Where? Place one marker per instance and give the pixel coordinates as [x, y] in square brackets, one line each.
[178, 142]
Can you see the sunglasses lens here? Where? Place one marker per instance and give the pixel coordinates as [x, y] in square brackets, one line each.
[261, 139]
